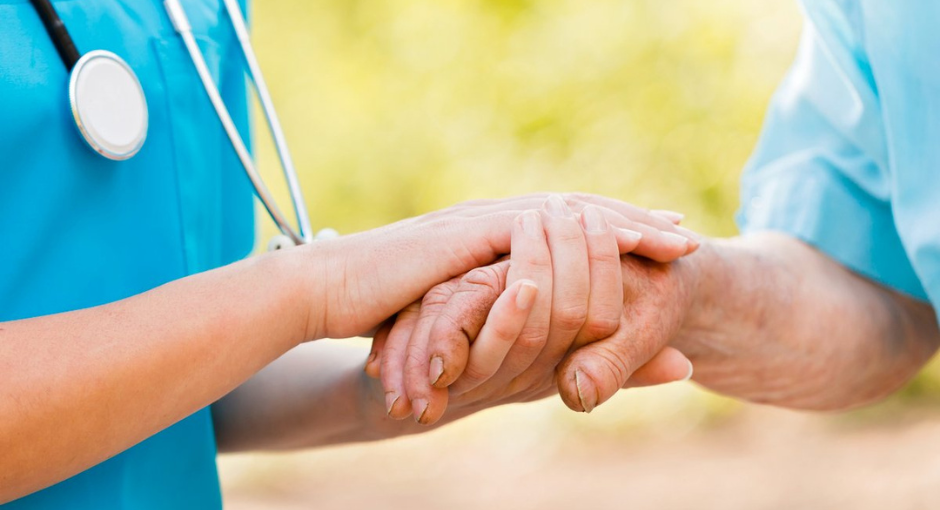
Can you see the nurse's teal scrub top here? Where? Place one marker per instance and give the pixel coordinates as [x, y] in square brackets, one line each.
[849, 158]
[77, 230]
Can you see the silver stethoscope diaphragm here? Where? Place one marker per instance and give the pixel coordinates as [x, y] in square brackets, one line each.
[110, 109]
[105, 96]
[108, 104]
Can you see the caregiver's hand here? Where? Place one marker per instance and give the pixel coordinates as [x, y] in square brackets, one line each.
[575, 264]
[368, 277]
[78, 387]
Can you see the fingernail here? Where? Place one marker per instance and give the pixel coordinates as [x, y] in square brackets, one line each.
[437, 369]
[632, 235]
[420, 406]
[691, 371]
[672, 216]
[390, 399]
[676, 239]
[372, 356]
[526, 296]
[531, 224]
[581, 382]
[556, 206]
[593, 221]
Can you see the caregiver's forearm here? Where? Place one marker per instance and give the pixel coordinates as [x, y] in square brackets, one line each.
[778, 322]
[77, 388]
[315, 395]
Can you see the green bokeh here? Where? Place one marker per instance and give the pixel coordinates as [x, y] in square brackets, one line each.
[398, 107]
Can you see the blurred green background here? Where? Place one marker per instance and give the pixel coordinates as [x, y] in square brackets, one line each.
[398, 107]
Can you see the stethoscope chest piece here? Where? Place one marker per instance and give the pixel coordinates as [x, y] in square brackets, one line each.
[109, 105]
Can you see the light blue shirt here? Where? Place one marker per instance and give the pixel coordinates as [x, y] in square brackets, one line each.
[77, 230]
[849, 158]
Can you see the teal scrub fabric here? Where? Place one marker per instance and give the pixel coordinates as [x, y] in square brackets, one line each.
[849, 158]
[77, 230]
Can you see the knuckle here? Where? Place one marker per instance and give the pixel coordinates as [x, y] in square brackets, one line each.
[534, 263]
[486, 279]
[532, 339]
[604, 251]
[567, 232]
[576, 197]
[414, 360]
[601, 326]
[476, 374]
[503, 332]
[570, 318]
[437, 296]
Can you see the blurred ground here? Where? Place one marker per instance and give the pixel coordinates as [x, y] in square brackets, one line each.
[759, 458]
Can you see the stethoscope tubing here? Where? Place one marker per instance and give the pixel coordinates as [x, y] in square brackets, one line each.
[181, 25]
[58, 33]
[274, 123]
[70, 55]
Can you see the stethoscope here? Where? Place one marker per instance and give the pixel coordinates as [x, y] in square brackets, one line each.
[110, 109]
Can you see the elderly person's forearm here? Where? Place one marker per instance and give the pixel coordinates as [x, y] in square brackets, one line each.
[775, 321]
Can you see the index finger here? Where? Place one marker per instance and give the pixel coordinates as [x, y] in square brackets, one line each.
[461, 320]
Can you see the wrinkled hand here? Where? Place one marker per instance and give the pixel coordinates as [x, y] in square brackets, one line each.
[573, 265]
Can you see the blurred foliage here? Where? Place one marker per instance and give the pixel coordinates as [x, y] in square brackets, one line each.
[398, 107]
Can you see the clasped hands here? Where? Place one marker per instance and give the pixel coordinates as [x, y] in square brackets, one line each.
[581, 306]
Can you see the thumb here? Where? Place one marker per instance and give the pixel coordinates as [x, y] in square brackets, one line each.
[592, 374]
[669, 365]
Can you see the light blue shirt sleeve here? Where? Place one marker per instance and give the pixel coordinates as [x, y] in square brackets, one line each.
[821, 169]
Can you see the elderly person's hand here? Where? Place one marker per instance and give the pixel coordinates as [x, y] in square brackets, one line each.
[573, 264]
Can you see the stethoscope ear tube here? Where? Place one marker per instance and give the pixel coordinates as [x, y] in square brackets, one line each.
[270, 114]
[181, 24]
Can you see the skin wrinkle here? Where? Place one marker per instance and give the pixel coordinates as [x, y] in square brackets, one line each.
[524, 387]
[452, 347]
[455, 347]
[531, 340]
[479, 256]
[615, 366]
[386, 269]
[768, 319]
[824, 339]
[474, 374]
[569, 295]
[757, 314]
